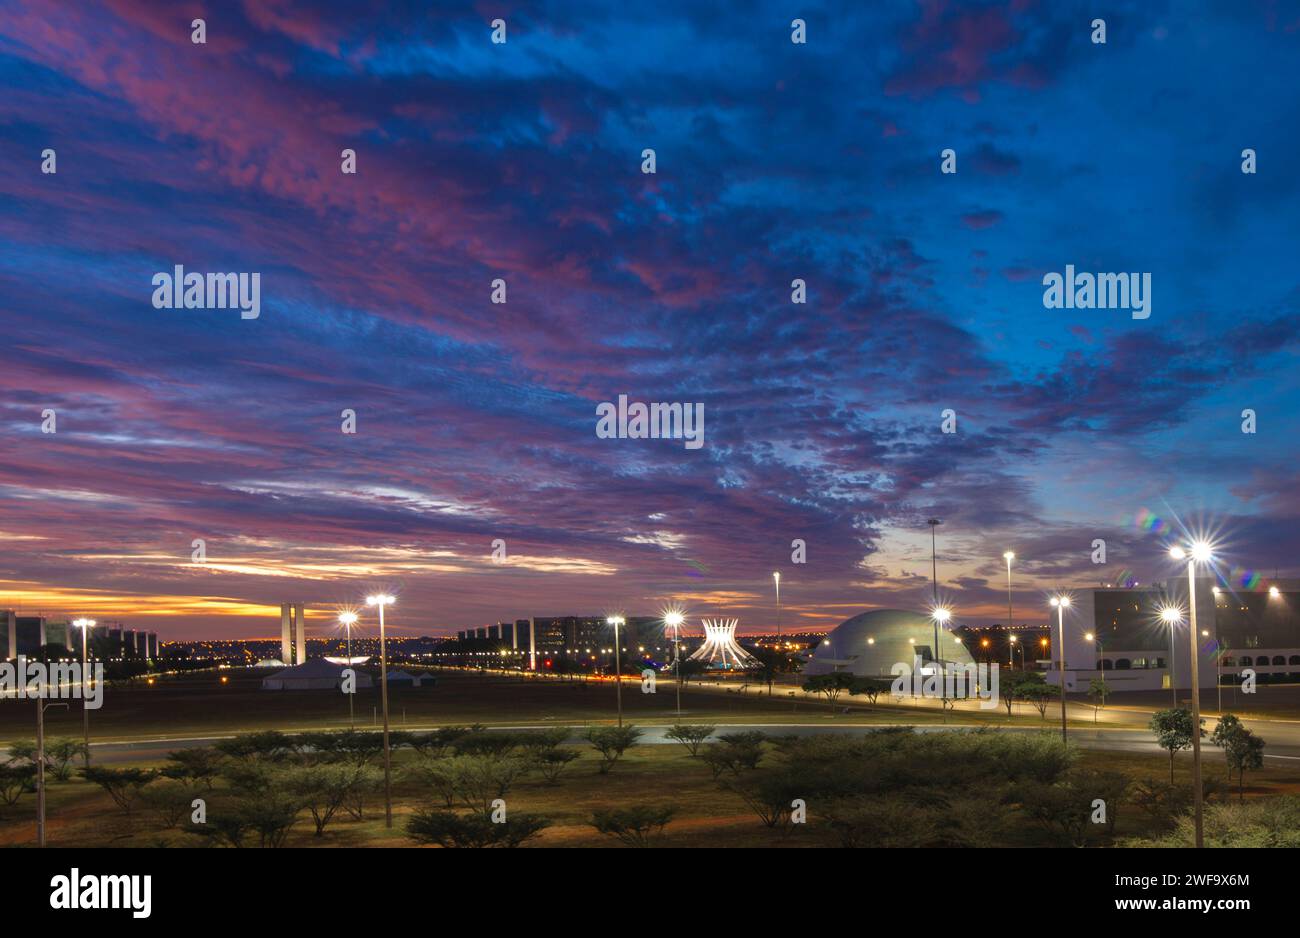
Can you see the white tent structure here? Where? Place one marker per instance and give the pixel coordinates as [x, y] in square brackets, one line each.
[720, 649]
[315, 674]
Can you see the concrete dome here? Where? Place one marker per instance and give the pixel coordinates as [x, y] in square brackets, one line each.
[871, 643]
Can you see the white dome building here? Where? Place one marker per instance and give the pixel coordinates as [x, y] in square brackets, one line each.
[870, 644]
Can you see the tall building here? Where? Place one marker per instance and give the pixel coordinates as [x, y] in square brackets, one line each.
[1138, 650]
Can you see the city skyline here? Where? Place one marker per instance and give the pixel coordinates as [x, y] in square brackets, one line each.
[522, 162]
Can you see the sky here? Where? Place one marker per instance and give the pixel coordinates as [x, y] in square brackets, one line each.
[522, 161]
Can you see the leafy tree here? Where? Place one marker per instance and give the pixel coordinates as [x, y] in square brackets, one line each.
[24, 750]
[487, 744]
[324, 789]
[830, 686]
[1098, 690]
[769, 796]
[266, 745]
[736, 752]
[690, 735]
[870, 687]
[202, 764]
[123, 785]
[1040, 695]
[611, 742]
[272, 814]
[1242, 749]
[1173, 731]
[534, 741]
[168, 800]
[453, 830]
[14, 780]
[772, 662]
[551, 762]
[635, 826]
[480, 779]
[435, 742]
[1015, 685]
[442, 775]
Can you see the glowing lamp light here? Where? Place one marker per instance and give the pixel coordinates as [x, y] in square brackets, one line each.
[942, 614]
[1009, 555]
[1273, 591]
[1171, 615]
[347, 618]
[380, 599]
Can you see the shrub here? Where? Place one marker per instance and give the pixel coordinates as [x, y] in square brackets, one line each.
[123, 785]
[635, 826]
[692, 736]
[453, 830]
[611, 742]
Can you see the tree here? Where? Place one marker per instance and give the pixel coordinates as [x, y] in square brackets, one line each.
[611, 742]
[772, 662]
[690, 735]
[830, 685]
[267, 745]
[14, 780]
[1242, 749]
[202, 764]
[453, 830]
[870, 687]
[168, 800]
[1017, 685]
[61, 753]
[634, 826]
[1098, 690]
[482, 779]
[123, 785]
[326, 788]
[1173, 731]
[1040, 695]
[551, 762]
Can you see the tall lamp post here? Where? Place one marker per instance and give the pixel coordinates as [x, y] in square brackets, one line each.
[1061, 603]
[1011, 652]
[347, 620]
[616, 621]
[85, 625]
[776, 578]
[674, 621]
[941, 617]
[1198, 552]
[1172, 616]
[1101, 655]
[381, 600]
[1008, 557]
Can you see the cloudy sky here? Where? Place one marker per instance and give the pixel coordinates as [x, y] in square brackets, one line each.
[522, 161]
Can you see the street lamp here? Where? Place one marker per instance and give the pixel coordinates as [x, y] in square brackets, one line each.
[616, 621]
[1197, 552]
[1011, 653]
[941, 616]
[1008, 557]
[381, 600]
[1061, 603]
[1172, 616]
[1101, 652]
[347, 620]
[674, 621]
[776, 578]
[85, 625]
